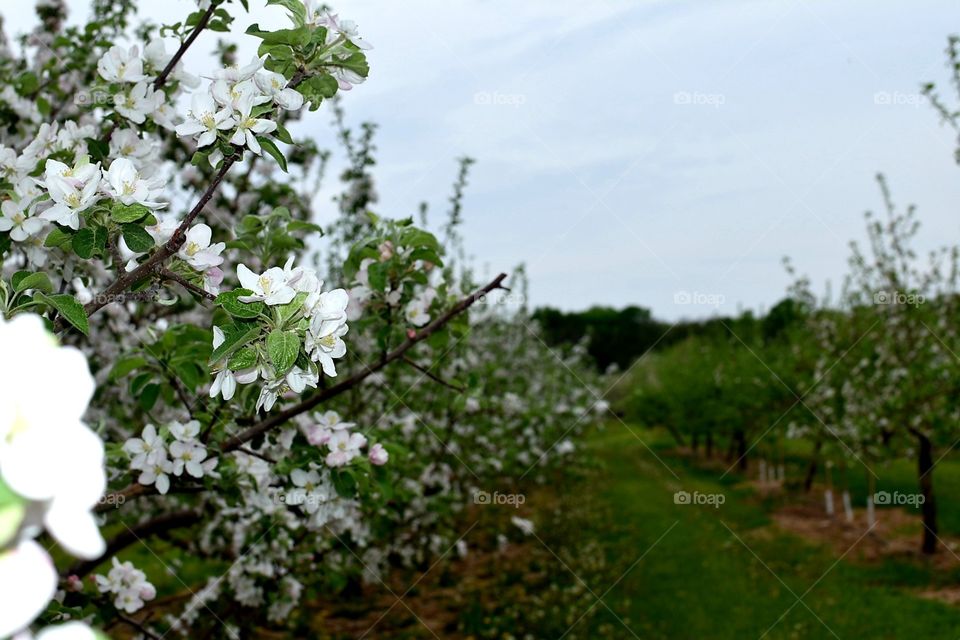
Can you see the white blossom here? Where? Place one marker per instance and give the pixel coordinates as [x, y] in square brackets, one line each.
[205, 119]
[271, 286]
[121, 65]
[197, 250]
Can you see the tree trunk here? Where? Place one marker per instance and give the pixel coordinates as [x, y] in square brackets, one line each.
[709, 444]
[929, 507]
[812, 468]
[695, 443]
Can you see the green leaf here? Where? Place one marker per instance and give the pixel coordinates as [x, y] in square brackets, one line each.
[235, 336]
[230, 302]
[297, 11]
[243, 359]
[377, 273]
[140, 381]
[97, 149]
[428, 255]
[282, 134]
[316, 88]
[286, 311]
[43, 106]
[418, 238]
[38, 281]
[137, 238]
[100, 237]
[12, 511]
[58, 237]
[27, 83]
[281, 213]
[69, 309]
[188, 373]
[125, 366]
[301, 225]
[283, 347]
[128, 212]
[148, 397]
[298, 37]
[17, 277]
[272, 149]
[356, 62]
[199, 158]
[83, 242]
[344, 482]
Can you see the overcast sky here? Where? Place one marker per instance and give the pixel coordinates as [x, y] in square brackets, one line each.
[632, 152]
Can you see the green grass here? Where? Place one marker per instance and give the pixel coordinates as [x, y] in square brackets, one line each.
[701, 581]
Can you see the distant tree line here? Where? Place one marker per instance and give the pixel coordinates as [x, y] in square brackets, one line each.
[620, 336]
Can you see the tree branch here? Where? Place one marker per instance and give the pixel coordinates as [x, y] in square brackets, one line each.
[279, 418]
[237, 441]
[132, 534]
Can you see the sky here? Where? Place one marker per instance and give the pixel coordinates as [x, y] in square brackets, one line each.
[661, 154]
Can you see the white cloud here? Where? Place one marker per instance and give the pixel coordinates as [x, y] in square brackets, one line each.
[561, 102]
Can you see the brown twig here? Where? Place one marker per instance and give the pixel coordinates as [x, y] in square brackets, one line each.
[189, 286]
[201, 25]
[433, 376]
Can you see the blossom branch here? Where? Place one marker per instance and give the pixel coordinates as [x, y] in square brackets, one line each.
[412, 339]
[239, 440]
[152, 264]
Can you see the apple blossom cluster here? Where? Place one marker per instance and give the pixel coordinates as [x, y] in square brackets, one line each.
[25, 213]
[131, 77]
[231, 104]
[317, 15]
[297, 330]
[128, 585]
[156, 460]
[51, 466]
[343, 445]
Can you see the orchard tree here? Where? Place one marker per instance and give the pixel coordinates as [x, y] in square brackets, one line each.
[204, 391]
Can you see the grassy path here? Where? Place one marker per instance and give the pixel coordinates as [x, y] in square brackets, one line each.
[695, 571]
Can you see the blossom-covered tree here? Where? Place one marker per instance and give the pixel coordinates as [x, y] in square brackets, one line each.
[215, 393]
